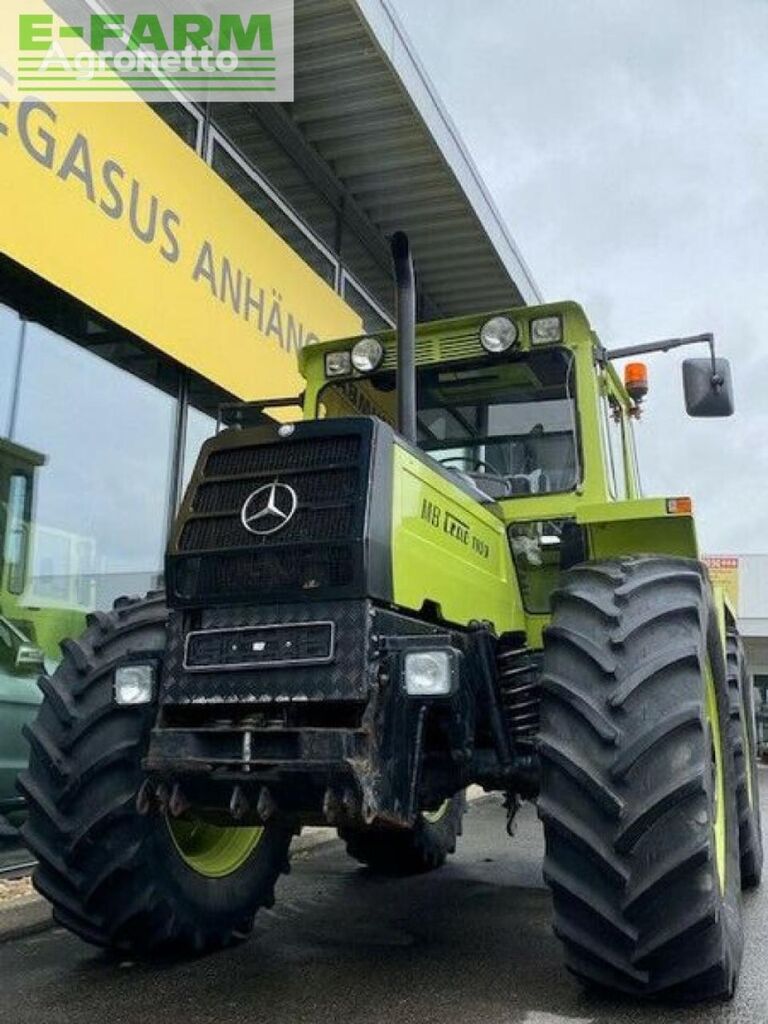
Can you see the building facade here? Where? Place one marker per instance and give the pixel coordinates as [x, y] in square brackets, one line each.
[156, 262]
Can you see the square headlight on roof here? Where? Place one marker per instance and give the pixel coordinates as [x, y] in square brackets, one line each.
[338, 364]
[546, 330]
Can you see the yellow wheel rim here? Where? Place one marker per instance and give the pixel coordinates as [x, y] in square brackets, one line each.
[718, 813]
[438, 814]
[210, 850]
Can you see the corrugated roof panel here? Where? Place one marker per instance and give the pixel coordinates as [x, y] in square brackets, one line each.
[374, 138]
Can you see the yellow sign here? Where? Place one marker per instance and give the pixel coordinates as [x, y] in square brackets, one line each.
[724, 572]
[110, 205]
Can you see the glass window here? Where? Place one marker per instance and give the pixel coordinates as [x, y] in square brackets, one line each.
[372, 319]
[204, 402]
[200, 426]
[510, 425]
[314, 196]
[10, 335]
[265, 147]
[249, 189]
[92, 444]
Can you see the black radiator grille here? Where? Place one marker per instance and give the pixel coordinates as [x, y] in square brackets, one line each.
[320, 546]
[309, 524]
[300, 568]
[315, 487]
[272, 458]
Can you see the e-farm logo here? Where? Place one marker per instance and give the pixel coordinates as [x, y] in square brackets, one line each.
[234, 51]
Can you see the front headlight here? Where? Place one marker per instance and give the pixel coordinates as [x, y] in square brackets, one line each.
[134, 684]
[28, 655]
[367, 354]
[546, 330]
[338, 364]
[430, 673]
[498, 334]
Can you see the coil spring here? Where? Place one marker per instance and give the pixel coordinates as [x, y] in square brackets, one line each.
[519, 671]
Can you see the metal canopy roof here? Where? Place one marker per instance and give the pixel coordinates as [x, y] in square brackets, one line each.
[364, 102]
[367, 140]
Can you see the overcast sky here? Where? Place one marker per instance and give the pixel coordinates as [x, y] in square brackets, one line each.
[625, 143]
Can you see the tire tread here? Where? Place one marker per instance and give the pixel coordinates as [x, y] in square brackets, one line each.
[624, 773]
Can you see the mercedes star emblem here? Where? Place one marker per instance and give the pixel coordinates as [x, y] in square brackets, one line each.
[269, 509]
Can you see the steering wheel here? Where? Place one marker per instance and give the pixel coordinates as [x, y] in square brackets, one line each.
[476, 463]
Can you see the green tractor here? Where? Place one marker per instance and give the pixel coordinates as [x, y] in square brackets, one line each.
[444, 574]
[30, 626]
[21, 659]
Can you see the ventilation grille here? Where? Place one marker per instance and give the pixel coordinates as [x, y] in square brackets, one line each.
[257, 575]
[439, 350]
[313, 546]
[281, 458]
[228, 496]
[310, 523]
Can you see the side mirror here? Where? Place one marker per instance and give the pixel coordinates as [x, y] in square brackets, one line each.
[708, 387]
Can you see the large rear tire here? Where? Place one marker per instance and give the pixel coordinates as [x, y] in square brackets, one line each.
[413, 851]
[637, 781]
[139, 885]
[743, 737]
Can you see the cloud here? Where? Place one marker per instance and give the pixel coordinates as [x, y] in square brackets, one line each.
[626, 145]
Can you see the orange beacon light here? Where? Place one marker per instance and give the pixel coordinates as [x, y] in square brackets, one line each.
[636, 381]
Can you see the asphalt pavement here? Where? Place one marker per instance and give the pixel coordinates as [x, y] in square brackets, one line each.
[467, 944]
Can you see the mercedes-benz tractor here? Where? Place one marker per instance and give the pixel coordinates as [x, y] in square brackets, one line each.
[442, 573]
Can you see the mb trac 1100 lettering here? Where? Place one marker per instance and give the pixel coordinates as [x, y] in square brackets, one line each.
[444, 574]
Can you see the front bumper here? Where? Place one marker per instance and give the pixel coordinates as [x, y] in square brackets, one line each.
[325, 734]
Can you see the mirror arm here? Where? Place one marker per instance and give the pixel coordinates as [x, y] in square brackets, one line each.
[665, 345]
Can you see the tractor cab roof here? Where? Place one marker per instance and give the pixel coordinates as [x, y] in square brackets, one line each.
[444, 341]
[440, 341]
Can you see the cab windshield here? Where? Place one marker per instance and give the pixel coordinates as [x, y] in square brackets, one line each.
[510, 426]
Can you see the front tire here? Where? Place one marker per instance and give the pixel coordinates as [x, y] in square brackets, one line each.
[412, 851]
[638, 784]
[138, 885]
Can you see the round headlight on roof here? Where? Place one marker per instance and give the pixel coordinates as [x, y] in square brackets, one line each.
[367, 354]
[498, 334]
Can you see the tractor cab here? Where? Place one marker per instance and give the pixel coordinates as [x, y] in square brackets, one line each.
[496, 398]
